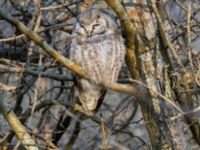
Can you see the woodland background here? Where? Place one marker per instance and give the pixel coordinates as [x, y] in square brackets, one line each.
[155, 105]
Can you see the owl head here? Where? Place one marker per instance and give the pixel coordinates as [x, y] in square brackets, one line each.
[94, 22]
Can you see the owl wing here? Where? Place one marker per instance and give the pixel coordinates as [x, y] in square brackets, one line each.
[114, 52]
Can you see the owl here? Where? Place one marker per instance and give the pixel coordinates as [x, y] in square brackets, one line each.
[98, 47]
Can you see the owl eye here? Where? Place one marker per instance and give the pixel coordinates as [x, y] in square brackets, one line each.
[97, 17]
[81, 25]
[96, 25]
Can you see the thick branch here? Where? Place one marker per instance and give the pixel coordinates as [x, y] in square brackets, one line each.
[16, 125]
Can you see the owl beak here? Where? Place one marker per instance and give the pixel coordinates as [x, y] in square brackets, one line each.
[89, 33]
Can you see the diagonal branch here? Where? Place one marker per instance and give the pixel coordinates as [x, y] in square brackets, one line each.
[16, 125]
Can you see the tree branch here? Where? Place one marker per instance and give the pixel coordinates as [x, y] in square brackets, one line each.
[16, 125]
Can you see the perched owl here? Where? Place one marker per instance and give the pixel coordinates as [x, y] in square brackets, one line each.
[98, 47]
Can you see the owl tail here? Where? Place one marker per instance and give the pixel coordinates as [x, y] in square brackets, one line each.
[90, 95]
[89, 99]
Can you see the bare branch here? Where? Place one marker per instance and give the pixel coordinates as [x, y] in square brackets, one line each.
[16, 125]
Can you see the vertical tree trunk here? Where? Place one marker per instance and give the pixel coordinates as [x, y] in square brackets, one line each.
[163, 132]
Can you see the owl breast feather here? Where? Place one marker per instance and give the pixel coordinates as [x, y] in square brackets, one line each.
[101, 57]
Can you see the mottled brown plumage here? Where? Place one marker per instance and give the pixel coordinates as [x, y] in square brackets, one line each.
[98, 47]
